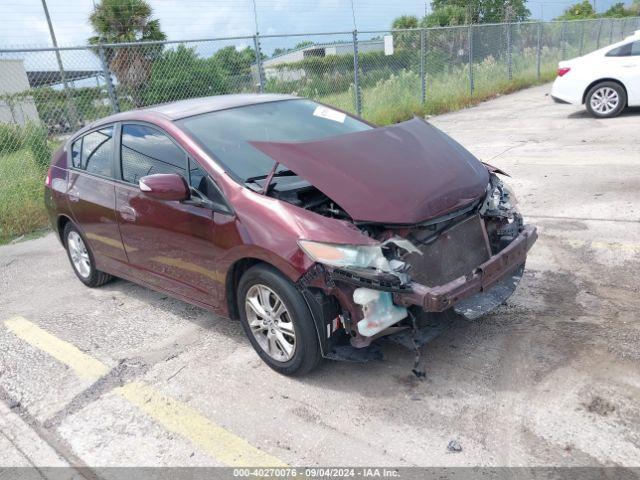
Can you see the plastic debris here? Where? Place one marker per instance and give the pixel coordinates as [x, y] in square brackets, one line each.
[454, 446]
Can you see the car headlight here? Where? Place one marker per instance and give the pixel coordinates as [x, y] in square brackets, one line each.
[342, 255]
[500, 198]
[508, 199]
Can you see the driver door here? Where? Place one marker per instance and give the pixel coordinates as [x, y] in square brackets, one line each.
[170, 245]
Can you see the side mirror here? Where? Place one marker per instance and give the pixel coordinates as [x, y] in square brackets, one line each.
[165, 186]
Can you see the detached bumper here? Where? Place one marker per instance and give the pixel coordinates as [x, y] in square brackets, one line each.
[485, 276]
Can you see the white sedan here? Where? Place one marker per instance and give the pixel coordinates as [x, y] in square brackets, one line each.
[606, 81]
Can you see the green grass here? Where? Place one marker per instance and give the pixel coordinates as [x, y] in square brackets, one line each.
[21, 195]
[398, 97]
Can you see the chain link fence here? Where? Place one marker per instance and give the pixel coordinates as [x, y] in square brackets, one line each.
[385, 76]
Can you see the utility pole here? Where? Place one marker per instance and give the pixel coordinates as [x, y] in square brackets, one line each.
[73, 114]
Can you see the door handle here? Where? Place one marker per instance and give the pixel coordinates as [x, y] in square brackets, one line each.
[128, 213]
[630, 65]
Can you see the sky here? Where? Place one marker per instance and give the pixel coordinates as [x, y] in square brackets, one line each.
[22, 22]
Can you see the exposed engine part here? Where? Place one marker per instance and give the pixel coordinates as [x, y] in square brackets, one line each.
[379, 311]
[303, 195]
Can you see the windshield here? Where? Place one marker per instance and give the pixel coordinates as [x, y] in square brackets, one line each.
[226, 134]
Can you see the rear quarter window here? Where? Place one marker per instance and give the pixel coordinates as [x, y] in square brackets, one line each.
[94, 152]
[626, 50]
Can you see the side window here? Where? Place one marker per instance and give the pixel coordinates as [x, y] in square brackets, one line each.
[146, 151]
[197, 176]
[94, 152]
[76, 153]
[635, 48]
[621, 51]
[205, 187]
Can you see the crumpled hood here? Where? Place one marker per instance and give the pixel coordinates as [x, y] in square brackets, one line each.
[401, 174]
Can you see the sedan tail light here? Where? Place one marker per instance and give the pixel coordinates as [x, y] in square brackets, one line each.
[47, 179]
[563, 70]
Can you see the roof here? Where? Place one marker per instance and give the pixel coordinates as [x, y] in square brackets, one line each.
[196, 106]
[187, 108]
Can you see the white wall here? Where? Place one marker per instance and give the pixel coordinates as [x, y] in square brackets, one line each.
[13, 79]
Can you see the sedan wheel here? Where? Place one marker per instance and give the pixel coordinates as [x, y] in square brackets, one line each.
[277, 320]
[81, 258]
[270, 323]
[606, 99]
[79, 255]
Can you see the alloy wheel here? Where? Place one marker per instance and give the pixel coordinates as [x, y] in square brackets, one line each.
[605, 100]
[270, 322]
[79, 254]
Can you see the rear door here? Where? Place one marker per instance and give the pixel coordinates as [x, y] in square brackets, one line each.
[623, 62]
[170, 244]
[91, 195]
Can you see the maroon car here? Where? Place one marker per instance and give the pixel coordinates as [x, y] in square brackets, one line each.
[318, 230]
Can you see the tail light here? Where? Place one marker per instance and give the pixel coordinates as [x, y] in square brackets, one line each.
[47, 179]
[563, 71]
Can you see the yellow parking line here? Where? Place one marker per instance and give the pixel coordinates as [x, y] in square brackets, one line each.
[184, 420]
[82, 364]
[173, 415]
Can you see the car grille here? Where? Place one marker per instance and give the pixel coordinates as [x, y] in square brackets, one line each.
[456, 252]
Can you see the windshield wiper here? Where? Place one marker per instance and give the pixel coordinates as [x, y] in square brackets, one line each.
[281, 173]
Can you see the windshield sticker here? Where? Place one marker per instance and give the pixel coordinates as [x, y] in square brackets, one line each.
[329, 114]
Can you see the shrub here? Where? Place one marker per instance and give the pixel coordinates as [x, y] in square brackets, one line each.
[35, 139]
[10, 138]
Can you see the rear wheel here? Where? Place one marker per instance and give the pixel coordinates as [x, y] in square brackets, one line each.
[81, 258]
[606, 100]
[277, 321]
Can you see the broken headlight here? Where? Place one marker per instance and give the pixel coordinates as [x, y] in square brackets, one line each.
[500, 199]
[341, 255]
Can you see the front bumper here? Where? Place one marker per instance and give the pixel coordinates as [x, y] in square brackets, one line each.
[485, 276]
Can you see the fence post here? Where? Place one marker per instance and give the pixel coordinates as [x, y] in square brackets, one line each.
[509, 52]
[539, 51]
[581, 37]
[599, 33]
[423, 73]
[624, 27]
[256, 44]
[611, 31]
[563, 43]
[470, 39]
[356, 74]
[107, 78]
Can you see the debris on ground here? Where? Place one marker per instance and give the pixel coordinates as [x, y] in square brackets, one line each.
[454, 446]
[600, 406]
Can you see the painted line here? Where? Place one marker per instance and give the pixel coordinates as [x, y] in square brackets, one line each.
[171, 414]
[184, 420]
[83, 365]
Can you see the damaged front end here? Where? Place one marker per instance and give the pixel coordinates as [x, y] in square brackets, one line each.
[440, 230]
[469, 261]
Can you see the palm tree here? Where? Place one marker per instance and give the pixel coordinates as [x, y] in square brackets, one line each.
[127, 21]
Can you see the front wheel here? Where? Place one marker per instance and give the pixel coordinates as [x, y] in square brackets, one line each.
[606, 100]
[277, 321]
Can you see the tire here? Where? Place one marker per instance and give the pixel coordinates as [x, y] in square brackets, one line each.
[273, 330]
[596, 96]
[85, 266]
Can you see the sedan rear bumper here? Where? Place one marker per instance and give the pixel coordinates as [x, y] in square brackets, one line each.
[485, 276]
